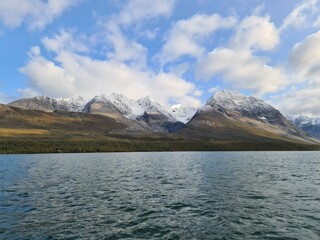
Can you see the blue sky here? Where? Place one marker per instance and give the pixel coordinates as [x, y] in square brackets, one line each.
[176, 51]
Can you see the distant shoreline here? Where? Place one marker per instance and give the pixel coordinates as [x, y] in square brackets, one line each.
[11, 146]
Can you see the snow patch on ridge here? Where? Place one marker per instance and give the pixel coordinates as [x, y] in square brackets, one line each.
[182, 113]
[72, 104]
[233, 100]
[133, 109]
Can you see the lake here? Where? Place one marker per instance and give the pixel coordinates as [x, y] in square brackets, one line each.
[187, 195]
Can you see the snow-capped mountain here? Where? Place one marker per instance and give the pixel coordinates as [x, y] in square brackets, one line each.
[72, 104]
[309, 124]
[44, 103]
[235, 101]
[236, 105]
[233, 110]
[41, 103]
[133, 109]
[182, 113]
[146, 112]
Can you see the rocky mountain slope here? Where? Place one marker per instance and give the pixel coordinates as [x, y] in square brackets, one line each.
[230, 114]
[145, 112]
[311, 125]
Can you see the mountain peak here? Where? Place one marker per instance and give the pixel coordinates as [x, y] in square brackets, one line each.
[71, 104]
[309, 124]
[237, 105]
[225, 93]
[233, 100]
[41, 98]
[146, 100]
[100, 97]
[72, 98]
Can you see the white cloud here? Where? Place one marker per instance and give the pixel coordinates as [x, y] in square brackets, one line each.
[256, 32]
[137, 10]
[304, 66]
[197, 93]
[304, 60]
[301, 15]
[123, 70]
[186, 36]
[125, 49]
[150, 34]
[46, 75]
[240, 68]
[316, 23]
[302, 101]
[64, 40]
[74, 73]
[35, 13]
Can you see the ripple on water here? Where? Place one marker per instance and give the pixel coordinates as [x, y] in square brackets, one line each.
[161, 196]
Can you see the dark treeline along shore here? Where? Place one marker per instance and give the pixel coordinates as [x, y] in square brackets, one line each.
[229, 121]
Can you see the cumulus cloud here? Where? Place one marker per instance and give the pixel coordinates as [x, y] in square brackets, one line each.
[304, 59]
[304, 66]
[301, 101]
[73, 73]
[64, 40]
[242, 70]
[125, 50]
[46, 75]
[186, 36]
[124, 68]
[35, 13]
[137, 10]
[256, 32]
[301, 15]
[238, 65]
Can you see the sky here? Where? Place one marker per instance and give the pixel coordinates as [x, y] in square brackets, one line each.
[175, 51]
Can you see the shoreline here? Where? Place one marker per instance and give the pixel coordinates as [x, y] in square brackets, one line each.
[58, 146]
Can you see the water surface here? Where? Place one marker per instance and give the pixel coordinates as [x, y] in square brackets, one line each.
[246, 195]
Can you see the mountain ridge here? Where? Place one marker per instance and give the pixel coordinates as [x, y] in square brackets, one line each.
[227, 117]
[311, 125]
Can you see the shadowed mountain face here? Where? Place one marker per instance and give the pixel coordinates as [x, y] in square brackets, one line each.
[231, 115]
[227, 116]
[309, 124]
[237, 105]
[143, 112]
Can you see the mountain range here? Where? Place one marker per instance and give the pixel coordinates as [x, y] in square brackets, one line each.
[229, 120]
[309, 124]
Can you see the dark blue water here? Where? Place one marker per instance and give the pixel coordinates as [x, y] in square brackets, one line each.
[161, 196]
